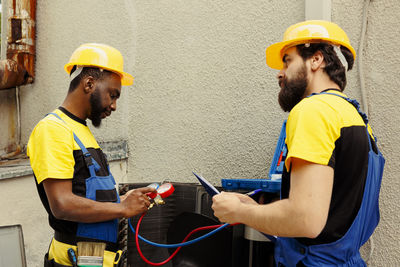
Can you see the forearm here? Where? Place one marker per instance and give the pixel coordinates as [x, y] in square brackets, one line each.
[280, 218]
[67, 206]
[303, 214]
[80, 209]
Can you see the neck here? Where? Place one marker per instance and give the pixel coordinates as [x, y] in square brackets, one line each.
[320, 82]
[76, 104]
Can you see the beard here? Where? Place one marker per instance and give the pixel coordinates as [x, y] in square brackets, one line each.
[292, 91]
[96, 108]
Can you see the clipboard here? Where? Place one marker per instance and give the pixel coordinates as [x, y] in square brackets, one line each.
[211, 190]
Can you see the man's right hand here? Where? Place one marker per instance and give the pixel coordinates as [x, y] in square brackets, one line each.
[136, 201]
[65, 205]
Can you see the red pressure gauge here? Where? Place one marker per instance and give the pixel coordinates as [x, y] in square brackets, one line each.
[165, 190]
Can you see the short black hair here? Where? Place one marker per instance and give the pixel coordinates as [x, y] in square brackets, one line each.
[333, 67]
[96, 73]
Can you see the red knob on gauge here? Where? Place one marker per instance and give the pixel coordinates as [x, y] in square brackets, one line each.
[165, 190]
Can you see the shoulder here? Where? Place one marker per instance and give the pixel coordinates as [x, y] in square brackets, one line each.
[49, 129]
[335, 110]
[312, 128]
[320, 102]
[316, 107]
[51, 124]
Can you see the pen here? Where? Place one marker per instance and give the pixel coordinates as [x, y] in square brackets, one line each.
[252, 193]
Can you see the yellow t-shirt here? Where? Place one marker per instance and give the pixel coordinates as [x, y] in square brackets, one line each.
[315, 124]
[326, 129]
[53, 153]
[51, 146]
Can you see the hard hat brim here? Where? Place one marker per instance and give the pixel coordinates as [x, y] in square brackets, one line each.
[126, 79]
[273, 55]
[274, 52]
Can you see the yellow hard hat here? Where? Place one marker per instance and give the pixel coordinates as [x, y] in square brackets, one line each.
[101, 56]
[310, 31]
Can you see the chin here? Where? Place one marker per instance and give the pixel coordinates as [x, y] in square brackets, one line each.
[96, 122]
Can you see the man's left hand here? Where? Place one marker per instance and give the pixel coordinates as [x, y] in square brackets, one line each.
[230, 207]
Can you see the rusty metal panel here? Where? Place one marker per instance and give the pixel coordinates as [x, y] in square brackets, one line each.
[20, 44]
[21, 40]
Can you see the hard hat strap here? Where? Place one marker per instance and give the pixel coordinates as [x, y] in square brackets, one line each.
[77, 71]
[340, 55]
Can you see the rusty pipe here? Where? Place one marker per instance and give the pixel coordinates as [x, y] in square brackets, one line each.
[12, 74]
[18, 68]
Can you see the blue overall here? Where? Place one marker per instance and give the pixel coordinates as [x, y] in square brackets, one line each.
[345, 251]
[108, 230]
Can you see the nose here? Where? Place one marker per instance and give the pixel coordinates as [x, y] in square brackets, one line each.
[113, 105]
[280, 74]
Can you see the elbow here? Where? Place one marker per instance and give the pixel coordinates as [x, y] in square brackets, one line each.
[310, 221]
[58, 214]
[59, 209]
[313, 232]
[313, 226]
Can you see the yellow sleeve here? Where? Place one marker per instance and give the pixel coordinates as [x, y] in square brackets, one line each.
[50, 150]
[311, 132]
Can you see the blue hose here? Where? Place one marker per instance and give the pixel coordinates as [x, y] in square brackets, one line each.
[178, 244]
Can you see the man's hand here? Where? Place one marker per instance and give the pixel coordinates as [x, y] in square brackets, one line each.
[65, 205]
[136, 201]
[303, 214]
[230, 207]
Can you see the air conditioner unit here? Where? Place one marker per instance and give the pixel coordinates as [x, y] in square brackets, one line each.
[187, 208]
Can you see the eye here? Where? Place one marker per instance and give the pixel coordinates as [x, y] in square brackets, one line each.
[285, 64]
[286, 60]
[114, 95]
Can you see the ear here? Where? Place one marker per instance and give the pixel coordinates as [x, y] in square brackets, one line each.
[88, 84]
[317, 61]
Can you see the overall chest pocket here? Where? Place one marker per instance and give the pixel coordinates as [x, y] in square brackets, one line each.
[101, 188]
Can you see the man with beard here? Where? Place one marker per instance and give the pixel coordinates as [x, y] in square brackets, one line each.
[72, 175]
[333, 169]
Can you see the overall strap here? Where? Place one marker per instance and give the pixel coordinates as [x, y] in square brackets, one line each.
[89, 160]
[357, 106]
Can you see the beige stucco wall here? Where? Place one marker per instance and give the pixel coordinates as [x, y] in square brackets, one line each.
[203, 98]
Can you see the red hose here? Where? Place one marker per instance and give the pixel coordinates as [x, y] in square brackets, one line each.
[177, 250]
